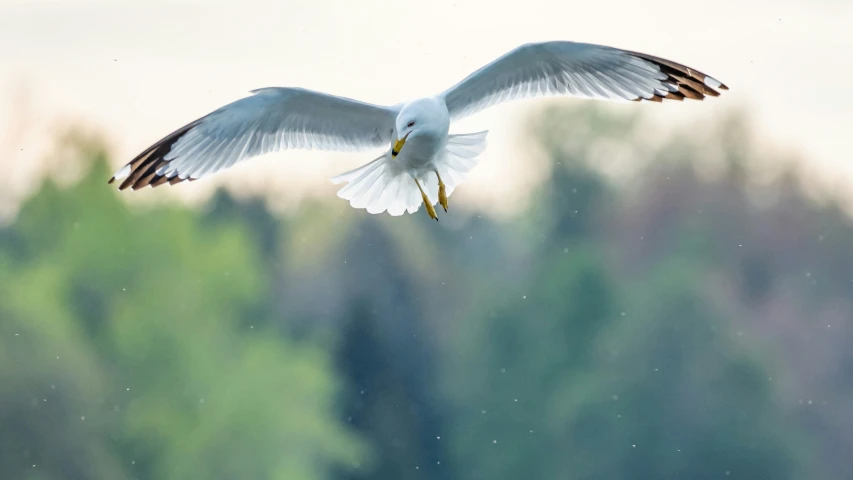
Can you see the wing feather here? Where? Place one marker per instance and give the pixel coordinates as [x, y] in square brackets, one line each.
[581, 70]
[270, 120]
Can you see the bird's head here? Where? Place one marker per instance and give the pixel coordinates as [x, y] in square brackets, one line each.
[425, 116]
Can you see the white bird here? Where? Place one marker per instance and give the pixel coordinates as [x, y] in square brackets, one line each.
[423, 163]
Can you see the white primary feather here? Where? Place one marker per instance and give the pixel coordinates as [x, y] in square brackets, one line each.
[270, 120]
[575, 69]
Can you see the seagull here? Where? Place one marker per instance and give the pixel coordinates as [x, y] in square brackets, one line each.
[421, 162]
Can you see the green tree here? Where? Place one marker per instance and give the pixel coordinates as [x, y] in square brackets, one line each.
[128, 349]
[507, 370]
[387, 363]
[581, 372]
[674, 394]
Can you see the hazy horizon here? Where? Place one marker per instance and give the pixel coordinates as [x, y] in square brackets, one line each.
[133, 74]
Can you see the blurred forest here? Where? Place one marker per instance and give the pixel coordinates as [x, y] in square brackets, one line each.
[676, 324]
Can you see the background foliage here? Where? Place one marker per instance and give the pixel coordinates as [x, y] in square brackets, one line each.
[668, 325]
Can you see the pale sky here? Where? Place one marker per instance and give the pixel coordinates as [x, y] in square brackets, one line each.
[137, 69]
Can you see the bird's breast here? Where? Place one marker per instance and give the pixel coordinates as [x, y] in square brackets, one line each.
[421, 151]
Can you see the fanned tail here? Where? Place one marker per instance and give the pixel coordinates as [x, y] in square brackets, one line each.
[459, 157]
[383, 185]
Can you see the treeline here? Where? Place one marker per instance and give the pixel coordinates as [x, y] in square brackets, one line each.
[664, 327]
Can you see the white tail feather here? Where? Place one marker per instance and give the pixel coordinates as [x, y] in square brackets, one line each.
[383, 185]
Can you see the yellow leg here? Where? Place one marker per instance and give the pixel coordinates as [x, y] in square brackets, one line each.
[442, 193]
[429, 209]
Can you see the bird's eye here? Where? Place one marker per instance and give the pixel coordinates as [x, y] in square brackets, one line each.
[411, 124]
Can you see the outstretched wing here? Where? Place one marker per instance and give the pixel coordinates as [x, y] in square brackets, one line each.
[577, 69]
[270, 120]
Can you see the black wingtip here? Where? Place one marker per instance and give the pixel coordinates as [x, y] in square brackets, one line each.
[143, 169]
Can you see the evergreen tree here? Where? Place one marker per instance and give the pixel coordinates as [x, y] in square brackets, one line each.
[386, 360]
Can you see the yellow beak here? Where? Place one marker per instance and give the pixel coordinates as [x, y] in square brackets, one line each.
[398, 145]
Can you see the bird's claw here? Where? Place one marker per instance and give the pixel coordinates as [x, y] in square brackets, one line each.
[431, 211]
[442, 192]
[429, 208]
